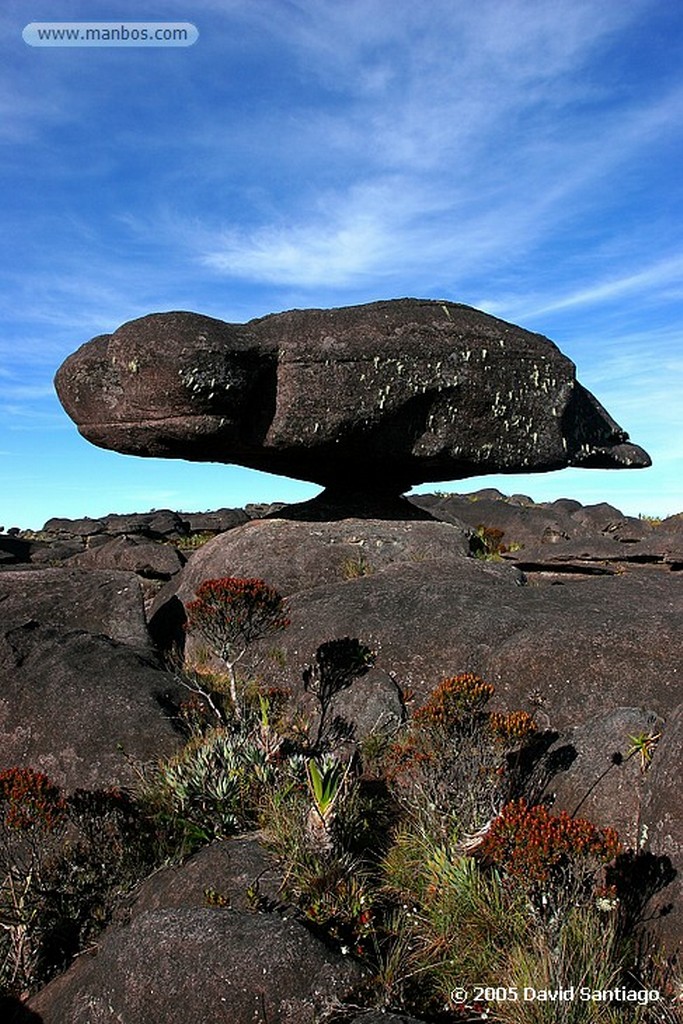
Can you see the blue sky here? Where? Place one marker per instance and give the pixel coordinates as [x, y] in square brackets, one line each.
[522, 156]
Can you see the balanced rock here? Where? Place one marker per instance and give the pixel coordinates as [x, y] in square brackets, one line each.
[377, 397]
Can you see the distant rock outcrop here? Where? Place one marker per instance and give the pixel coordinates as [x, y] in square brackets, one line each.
[372, 398]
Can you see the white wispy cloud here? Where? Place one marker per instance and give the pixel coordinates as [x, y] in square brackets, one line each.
[649, 281]
[351, 235]
[453, 155]
[14, 392]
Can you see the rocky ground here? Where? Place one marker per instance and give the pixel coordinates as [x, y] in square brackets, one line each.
[573, 612]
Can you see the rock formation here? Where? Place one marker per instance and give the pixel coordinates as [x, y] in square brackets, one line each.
[372, 398]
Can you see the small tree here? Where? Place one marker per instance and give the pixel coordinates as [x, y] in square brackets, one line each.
[232, 613]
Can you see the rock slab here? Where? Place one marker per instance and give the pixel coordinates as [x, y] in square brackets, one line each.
[201, 964]
[79, 676]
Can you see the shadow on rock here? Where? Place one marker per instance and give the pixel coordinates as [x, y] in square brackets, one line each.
[13, 1011]
[639, 877]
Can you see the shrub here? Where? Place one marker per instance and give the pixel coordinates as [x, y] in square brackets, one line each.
[212, 788]
[487, 543]
[232, 613]
[32, 819]
[453, 701]
[108, 847]
[457, 764]
[513, 727]
[63, 860]
[555, 858]
[30, 802]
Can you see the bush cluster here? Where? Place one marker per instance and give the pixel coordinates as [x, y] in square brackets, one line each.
[30, 801]
[424, 852]
[64, 861]
[534, 846]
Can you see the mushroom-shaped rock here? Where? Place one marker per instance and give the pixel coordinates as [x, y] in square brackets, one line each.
[377, 397]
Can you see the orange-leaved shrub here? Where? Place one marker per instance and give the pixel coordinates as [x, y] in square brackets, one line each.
[532, 845]
[460, 758]
[453, 699]
[512, 727]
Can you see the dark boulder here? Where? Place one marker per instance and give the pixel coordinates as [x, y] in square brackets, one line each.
[411, 591]
[79, 677]
[201, 964]
[71, 703]
[150, 544]
[57, 550]
[435, 611]
[293, 556]
[375, 397]
[218, 521]
[662, 824]
[603, 779]
[230, 869]
[171, 957]
[664, 543]
[94, 601]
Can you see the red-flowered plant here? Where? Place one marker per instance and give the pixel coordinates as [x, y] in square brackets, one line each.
[541, 850]
[29, 800]
[231, 613]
